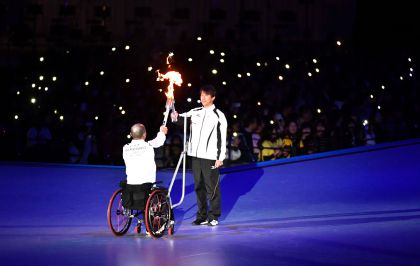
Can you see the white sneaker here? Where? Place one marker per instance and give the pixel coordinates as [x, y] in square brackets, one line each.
[213, 223]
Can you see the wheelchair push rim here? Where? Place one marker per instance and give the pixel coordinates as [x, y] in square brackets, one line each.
[119, 219]
[158, 213]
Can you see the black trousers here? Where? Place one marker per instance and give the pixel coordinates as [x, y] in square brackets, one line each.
[207, 188]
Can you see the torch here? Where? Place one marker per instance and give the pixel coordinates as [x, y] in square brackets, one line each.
[174, 78]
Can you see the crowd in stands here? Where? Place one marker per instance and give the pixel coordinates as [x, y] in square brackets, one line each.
[280, 103]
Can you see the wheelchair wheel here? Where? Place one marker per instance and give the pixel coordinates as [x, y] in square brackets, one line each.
[119, 219]
[157, 213]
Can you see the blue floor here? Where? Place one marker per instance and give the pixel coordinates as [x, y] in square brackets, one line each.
[353, 207]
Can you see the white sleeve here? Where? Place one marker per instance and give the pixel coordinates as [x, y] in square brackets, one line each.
[223, 133]
[158, 141]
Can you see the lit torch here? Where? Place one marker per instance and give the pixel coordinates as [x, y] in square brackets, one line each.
[174, 78]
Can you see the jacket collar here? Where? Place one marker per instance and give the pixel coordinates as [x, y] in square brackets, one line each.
[137, 140]
[210, 108]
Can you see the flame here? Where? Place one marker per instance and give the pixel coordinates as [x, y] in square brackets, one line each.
[174, 78]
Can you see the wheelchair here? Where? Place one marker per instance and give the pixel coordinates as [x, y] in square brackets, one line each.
[157, 215]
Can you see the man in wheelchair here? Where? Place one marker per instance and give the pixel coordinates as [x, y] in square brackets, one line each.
[139, 158]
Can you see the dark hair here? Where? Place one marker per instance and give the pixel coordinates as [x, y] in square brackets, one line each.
[208, 89]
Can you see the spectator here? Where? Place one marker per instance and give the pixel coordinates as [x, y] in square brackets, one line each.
[271, 147]
[292, 144]
[321, 138]
[247, 145]
[307, 139]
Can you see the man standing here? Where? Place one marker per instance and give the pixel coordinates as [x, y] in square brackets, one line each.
[207, 148]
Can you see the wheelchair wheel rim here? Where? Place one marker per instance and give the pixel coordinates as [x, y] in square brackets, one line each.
[157, 213]
[118, 217]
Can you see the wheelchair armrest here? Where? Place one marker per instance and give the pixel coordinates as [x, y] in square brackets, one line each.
[157, 182]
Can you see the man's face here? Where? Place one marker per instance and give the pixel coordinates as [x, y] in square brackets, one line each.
[206, 99]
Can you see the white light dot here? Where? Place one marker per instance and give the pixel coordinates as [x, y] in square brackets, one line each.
[41, 59]
[280, 77]
[198, 101]
[314, 60]
[235, 134]
[160, 90]
[259, 103]
[149, 68]
[309, 74]
[67, 52]
[120, 108]
[41, 77]
[189, 84]
[371, 96]
[123, 112]
[265, 64]
[33, 100]
[383, 87]
[409, 59]
[410, 74]
[235, 116]
[317, 70]
[128, 136]
[127, 80]
[127, 47]
[61, 117]
[248, 74]
[338, 43]
[46, 89]
[18, 92]
[96, 117]
[113, 49]
[101, 73]
[39, 88]
[211, 51]
[224, 83]
[55, 112]
[86, 83]
[222, 60]
[277, 58]
[411, 69]
[189, 100]
[199, 38]
[271, 122]
[318, 110]
[190, 59]
[16, 117]
[401, 78]
[54, 78]
[33, 85]
[214, 71]
[287, 66]
[239, 76]
[258, 64]
[222, 54]
[379, 107]
[365, 122]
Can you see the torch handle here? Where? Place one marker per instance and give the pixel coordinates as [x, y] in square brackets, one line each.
[165, 118]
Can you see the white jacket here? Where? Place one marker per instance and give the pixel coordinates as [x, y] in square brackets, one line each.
[208, 133]
[139, 158]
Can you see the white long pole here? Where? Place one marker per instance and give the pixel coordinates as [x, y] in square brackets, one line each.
[183, 159]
